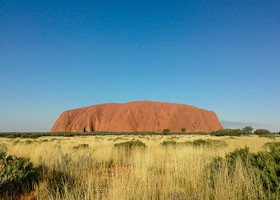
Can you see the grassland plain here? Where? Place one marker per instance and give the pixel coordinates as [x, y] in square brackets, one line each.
[90, 167]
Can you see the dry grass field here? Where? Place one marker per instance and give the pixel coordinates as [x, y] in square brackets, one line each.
[100, 171]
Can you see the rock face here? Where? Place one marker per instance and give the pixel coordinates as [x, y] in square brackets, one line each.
[137, 116]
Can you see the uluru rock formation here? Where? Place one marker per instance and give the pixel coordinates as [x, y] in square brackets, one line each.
[137, 116]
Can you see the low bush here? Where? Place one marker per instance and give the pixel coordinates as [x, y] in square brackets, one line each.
[245, 131]
[168, 143]
[165, 131]
[81, 146]
[264, 165]
[28, 142]
[118, 138]
[262, 132]
[130, 144]
[16, 142]
[200, 142]
[272, 146]
[17, 176]
[68, 135]
[11, 136]
[218, 143]
[230, 132]
[208, 142]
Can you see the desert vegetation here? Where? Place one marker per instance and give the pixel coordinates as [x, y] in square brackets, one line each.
[141, 167]
[248, 130]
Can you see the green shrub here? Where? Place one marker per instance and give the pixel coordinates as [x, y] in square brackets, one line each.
[272, 146]
[11, 136]
[264, 164]
[230, 132]
[81, 146]
[130, 144]
[188, 143]
[270, 136]
[118, 138]
[168, 143]
[165, 131]
[68, 134]
[17, 175]
[218, 143]
[183, 130]
[16, 142]
[262, 132]
[200, 142]
[208, 143]
[28, 142]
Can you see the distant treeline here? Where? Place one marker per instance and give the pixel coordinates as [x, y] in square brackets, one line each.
[72, 134]
[248, 130]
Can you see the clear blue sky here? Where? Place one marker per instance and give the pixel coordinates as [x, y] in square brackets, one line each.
[217, 55]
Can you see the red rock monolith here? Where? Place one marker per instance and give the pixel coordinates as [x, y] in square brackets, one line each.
[137, 116]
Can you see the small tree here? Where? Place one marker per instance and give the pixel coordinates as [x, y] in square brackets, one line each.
[183, 130]
[247, 130]
[165, 131]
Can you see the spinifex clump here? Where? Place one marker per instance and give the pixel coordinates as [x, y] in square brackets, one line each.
[17, 175]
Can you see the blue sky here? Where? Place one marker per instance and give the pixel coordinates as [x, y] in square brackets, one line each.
[217, 55]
